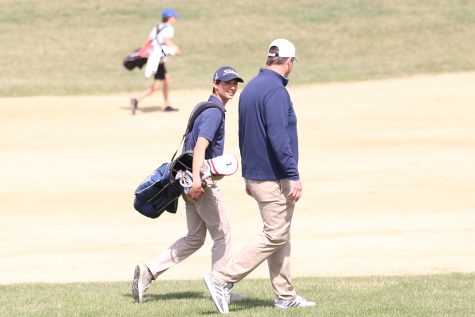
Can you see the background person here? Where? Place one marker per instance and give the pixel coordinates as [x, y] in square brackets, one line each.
[268, 143]
[162, 46]
[204, 207]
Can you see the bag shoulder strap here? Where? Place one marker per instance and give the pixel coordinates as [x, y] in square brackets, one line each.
[160, 30]
[199, 108]
[202, 106]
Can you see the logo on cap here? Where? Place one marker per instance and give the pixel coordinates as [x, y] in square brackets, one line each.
[227, 73]
[230, 71]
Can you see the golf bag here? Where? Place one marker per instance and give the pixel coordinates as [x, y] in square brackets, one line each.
[160, 191]
[134, 60]
[139, 57]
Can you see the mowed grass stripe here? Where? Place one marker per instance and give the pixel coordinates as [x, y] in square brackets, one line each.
[432, 295]
[76, 47]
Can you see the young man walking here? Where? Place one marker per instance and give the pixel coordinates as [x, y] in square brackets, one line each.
[204, 207]
[269, 150]
[162, 46]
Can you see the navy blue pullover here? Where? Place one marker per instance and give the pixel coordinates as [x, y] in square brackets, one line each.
[268, 138]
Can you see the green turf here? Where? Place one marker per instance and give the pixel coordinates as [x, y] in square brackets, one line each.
[77, 46]
[435, 295]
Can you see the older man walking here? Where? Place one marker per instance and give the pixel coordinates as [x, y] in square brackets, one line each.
[268, 143]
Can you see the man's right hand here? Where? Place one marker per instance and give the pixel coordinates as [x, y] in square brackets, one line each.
[196, 190]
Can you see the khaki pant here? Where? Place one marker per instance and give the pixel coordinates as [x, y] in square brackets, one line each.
[208, 213]
[272, 244]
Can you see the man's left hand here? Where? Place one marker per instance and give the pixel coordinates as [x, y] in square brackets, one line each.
[295, 190]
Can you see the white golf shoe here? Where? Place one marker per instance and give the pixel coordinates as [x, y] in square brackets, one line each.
[142, 280]
[298, 301]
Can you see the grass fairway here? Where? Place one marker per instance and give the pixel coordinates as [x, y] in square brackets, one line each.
[76, 47]
[432, 295]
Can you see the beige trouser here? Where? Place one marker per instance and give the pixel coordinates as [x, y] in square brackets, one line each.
[207, 213]
[272, 244]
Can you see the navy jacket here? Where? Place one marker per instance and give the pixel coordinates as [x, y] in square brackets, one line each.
[268, 138]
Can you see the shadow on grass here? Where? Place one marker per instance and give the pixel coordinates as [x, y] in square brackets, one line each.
[247, 304]
[170, 296]
[250, 303]
[176, 295]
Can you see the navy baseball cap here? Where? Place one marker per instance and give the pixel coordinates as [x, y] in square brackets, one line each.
[169, 13]
[227, 73]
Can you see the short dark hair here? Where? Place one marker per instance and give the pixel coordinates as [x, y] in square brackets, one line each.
[217, 83]
[275, 59]
[166, 18]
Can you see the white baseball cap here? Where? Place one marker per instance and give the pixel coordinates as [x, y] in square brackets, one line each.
[286, 48]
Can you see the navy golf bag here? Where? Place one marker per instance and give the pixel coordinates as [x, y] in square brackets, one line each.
[160, 191]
